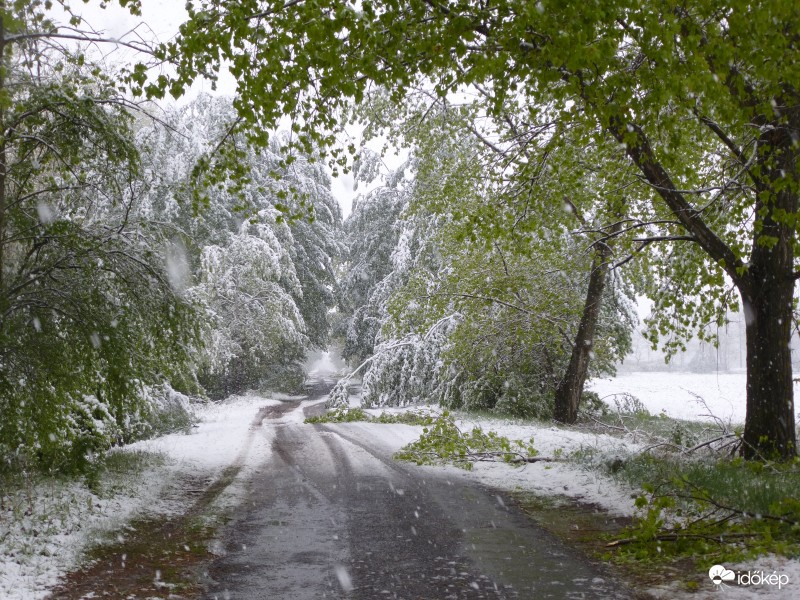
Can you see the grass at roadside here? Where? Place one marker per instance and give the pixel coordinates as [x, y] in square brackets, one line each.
[714, 510]
[46, 521]
[96, 533]
[698, 501]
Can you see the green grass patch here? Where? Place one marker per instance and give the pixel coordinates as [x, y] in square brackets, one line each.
[713, 510]
[130, 462]
[350, 415]
[698, 505]
[120, 470]
[342, 414]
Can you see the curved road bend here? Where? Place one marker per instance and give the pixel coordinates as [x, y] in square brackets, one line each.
[330, 515]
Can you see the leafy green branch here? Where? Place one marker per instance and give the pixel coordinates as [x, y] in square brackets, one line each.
[444, 442]
[344, 414]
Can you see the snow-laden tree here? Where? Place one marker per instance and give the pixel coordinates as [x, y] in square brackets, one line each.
[317, 242]
[373, 232]
[172, 149]
[510, 310]
[674, 83]
[532, 184]
[482, 295]
[259, 247]
[255, 327]
[89, 326]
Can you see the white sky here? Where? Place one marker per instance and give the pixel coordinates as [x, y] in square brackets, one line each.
[162, 17]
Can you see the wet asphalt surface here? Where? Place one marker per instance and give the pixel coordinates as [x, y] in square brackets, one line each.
[330, 515]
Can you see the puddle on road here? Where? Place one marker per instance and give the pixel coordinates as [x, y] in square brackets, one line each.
[585, 525]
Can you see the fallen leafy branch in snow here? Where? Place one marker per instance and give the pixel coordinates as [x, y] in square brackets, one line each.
[444, 442]
[344, 414]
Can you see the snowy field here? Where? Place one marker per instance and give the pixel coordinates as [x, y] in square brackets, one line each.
[678, 394]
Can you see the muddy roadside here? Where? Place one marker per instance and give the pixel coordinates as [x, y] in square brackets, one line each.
[161, 556]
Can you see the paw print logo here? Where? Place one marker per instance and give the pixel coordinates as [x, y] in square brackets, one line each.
[720, 574]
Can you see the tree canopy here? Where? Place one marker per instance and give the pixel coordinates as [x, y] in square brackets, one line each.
[265, 283]
[91, 332]
[114, 291]
[702, 96]
[474, 299]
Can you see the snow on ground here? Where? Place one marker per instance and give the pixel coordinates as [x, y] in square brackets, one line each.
[676, 393]
[544, 477]
[564, 479]
[548, 478]
[218, 440]
[222, 438]
[782, 575]
[48, 525]
[45, 528]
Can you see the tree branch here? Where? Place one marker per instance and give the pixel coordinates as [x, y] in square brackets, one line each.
[642, 154]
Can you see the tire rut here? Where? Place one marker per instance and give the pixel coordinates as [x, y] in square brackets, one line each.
[284, 542]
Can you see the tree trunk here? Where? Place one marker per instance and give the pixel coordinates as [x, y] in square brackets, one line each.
[3, 156]
[767, 297]
[766, 282]
[570, 389]
[769, 430]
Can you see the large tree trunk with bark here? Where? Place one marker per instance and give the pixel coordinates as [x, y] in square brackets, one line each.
[570, 389]
[766, 282]
[767, 296]
[769, 430]
[3, 153]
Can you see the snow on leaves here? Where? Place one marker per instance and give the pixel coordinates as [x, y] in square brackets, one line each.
[263, 277]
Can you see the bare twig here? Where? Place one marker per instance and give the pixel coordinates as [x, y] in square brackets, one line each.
[724, 436]
[599, 422]
[674, 537]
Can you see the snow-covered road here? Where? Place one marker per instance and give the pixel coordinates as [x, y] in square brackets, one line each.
[331, 515]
